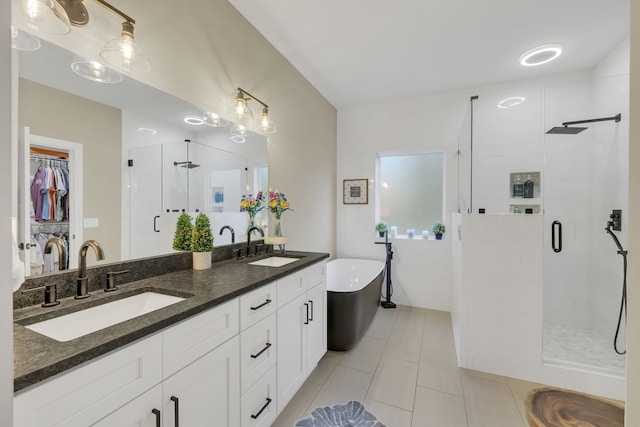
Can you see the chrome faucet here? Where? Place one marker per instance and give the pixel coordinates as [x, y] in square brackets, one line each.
[233, 233]
[62, 264]
[259, 230]
[83, 280]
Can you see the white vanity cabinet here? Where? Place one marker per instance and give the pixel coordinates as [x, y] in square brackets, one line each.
[235, 365]
[84, 395]
[302, 329]
[258, 344]
[195, 361]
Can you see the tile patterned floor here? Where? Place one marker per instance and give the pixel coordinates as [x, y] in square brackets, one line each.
[405, 372]
[582, 348]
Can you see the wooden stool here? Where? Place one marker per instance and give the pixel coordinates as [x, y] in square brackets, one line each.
[553, 407]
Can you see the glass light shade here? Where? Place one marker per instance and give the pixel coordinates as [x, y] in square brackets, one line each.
[241, 130]
[125, 55]
[214, 120]
[242, 121]
[23, 41]
[47, 16]
[94, 71]
[266, 125]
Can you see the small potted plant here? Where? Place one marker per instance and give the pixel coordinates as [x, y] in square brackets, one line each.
[382, 228]
[182, 237]
[438, 229]
[202, 243]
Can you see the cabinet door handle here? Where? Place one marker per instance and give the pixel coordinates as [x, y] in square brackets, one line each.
[556, 225]
[261, 410]
[156, 412]
[261, 305]
[176, 405]
[306, 322]
[266, 347]
[155, 223]
[311, 303]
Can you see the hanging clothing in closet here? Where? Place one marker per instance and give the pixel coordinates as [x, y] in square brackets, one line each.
[50, 192]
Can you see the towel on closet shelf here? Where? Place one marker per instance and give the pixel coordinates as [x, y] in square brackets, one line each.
[37, 261]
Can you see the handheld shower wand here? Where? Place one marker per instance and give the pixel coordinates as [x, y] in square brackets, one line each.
[615, 223]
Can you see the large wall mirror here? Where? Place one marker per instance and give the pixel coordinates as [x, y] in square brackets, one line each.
[140, 164]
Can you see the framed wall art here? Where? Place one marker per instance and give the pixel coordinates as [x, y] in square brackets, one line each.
[355, 191]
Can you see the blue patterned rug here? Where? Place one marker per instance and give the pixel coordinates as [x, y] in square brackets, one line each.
[353, 414]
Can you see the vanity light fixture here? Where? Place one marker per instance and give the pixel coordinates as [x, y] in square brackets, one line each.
[540, 55]
[57, 16]
[242, 116]
[46, 16]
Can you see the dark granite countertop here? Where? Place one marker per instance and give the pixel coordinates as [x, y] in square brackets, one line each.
[37, 357]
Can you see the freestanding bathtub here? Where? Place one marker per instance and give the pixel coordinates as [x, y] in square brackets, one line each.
[353, 296]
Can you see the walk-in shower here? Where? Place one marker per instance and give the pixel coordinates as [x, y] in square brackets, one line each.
[579, 178]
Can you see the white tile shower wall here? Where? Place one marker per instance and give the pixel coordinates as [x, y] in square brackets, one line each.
[501, 291]
[497, 303]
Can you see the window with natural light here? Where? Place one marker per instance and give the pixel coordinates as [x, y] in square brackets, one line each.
[410, 189]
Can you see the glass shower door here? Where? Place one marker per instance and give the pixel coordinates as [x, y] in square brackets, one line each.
[585, 178]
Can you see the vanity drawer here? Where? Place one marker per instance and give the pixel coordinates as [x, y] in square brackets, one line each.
[257, 351]
[261, 397]
[315, 274]
[257, 304]
[84, 395]
[290, 287]
[187, 341]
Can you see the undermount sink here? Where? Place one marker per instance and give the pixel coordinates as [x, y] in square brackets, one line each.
[83, 322]
[274, 261]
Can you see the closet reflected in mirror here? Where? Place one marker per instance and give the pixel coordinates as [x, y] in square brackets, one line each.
[138, 164]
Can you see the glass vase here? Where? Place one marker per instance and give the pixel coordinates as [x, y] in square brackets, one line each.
[278, 227]
[252, 221]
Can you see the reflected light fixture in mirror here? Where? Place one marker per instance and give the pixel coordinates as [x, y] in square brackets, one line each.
[214, 120]
[194, 120]
[94, 71]
[23, 41]
[46, 16]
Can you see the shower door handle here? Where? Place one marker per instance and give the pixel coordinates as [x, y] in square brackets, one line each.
[155, 223]
[556, 231]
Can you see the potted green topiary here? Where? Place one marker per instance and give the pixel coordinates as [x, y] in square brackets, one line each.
[182, 237]
[202, 243]
[438, 228]
[382, 228]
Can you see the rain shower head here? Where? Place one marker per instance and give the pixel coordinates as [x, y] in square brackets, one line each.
[188, 165]
[566, 130]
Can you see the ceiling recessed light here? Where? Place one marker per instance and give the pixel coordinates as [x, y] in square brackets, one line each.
[194, 120]
[540, 55]
[511, 102]
[147, 131]
[238, 139]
